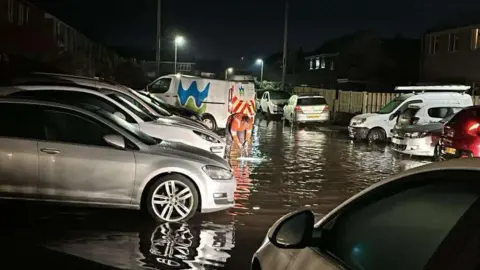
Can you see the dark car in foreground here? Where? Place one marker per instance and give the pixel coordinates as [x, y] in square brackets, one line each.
[424, 218]
[461, 135]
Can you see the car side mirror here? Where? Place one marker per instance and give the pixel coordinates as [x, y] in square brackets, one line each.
[293, 231]
[116, 141]
[120, 115]
[394, 115]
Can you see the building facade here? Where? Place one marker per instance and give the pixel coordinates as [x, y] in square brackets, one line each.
[452, 56]
[363, 61]
[29, 32]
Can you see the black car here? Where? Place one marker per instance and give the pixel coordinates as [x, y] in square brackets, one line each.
[172, 109]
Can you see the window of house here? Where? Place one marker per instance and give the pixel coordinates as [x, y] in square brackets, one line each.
[11, 8]
[322, 63]
[20, 14]
[475, 39]
[311, 64]
[27, 12]
[317, 63]
[453, 40]
[432, 44]
[332, 65]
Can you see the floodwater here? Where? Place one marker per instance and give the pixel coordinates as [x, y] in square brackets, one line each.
[289, 168]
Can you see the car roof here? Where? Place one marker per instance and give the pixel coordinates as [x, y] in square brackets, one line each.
[16, 88]
[468, 164]
[43, 78]
[46, 103]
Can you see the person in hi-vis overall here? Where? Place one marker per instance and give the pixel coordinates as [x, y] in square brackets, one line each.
[238, 132]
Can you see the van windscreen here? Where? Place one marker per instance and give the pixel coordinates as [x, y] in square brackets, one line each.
[392, 105]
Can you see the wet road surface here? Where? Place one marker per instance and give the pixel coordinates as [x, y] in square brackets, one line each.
[313, 167]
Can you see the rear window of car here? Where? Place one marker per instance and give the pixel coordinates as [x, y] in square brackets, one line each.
[311, 101]
[470, 113]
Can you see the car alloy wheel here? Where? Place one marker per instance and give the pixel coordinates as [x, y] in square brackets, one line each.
[173, 201]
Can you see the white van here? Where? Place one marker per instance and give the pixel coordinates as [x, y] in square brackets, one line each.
[214, 100]
[378, 126]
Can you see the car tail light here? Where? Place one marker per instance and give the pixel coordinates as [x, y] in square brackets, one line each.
[325, 108]
[474, 129]
[298, 109]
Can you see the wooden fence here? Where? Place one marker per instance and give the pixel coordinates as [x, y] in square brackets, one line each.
[355, 102]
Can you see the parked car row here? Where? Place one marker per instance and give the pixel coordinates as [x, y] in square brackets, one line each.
[87, 141]
[295, 109]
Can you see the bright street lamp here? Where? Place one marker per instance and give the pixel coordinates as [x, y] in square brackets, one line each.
[228, 71]
[179, 40]
[260, 62]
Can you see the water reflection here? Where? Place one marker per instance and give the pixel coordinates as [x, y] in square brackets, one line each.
[178, 245]
[167, 246]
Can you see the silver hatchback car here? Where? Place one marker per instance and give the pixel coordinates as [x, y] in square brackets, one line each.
[60, 153]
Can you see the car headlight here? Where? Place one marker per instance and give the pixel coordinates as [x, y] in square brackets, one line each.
[358, 121]
[206, 137]
[217, 173]
[415, 135]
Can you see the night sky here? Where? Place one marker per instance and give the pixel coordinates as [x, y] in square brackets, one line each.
[227, 30]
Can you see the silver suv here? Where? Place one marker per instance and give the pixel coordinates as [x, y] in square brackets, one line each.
[60, 153]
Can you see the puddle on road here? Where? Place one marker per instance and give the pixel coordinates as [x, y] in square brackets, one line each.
[312, 167]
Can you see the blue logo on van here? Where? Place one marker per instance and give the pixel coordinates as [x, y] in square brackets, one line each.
[192, 91]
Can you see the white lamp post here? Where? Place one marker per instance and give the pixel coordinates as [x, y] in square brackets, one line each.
[260, 62]
[179, 40]
[228, 71]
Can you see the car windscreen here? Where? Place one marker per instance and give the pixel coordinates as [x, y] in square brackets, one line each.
[134, 109]
[260, 94]
[392, 105]
[153, 105]
[311, 101]
[279, 95]
[407, 116]
[139, 135]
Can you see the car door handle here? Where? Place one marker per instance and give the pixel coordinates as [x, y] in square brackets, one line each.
[50, 151]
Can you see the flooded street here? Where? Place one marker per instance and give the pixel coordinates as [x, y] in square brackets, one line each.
[313, 167]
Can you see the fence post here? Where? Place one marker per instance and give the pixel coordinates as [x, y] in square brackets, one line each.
[364, 102]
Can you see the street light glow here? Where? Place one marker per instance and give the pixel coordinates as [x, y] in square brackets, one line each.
[179, 40]
[259, 61]
[230, 70]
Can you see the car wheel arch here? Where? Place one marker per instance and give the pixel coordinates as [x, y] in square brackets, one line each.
[153, 178]
[212, 118]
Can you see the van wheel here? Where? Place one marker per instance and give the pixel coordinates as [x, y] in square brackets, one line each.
[377, 135]
[209, 121]
[172, 198]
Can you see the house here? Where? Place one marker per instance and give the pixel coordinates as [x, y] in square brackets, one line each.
[31, 34]
[452, 55]
[362, 61]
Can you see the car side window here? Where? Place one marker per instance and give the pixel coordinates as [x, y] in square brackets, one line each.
[67, 127]
[440, 112]
[160, 86]
[20, 121]
[399, 230]
[405, 105]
